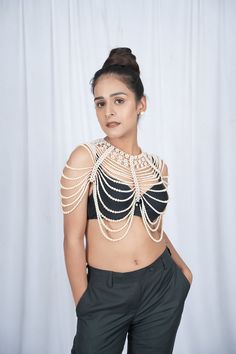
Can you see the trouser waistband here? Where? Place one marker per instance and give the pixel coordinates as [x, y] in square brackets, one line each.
[109, 277]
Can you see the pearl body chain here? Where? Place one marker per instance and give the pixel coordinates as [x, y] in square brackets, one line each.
[136, 172]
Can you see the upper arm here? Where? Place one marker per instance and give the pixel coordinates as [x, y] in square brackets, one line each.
[163, 168]
[74, 190]
[164, 177]
[165, 172]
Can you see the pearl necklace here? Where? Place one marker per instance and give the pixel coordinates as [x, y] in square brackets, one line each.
[136, 171]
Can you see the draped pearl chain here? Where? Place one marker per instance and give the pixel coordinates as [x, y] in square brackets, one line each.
[135, 171]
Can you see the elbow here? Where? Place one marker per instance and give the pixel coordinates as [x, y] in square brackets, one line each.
[71, 239]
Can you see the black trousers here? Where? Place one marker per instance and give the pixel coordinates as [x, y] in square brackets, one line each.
[146, 304]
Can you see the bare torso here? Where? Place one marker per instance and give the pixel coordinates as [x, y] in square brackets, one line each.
[136, 250]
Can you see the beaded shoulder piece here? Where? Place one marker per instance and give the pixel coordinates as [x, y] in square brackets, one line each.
[139, 172]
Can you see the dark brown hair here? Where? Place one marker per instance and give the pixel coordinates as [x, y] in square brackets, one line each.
[122, 62]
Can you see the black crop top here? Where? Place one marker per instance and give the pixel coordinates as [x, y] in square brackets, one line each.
[114, 205]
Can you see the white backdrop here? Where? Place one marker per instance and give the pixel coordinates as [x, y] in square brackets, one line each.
[49, 52]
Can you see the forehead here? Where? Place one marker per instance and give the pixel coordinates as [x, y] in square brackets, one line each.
[108, 84]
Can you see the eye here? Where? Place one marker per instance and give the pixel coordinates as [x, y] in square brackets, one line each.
[120, 100]
[99, 104]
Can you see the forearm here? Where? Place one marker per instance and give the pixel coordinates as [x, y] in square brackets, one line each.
[75, 261]
[177, 259]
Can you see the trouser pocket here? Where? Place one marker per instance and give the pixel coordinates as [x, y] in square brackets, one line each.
[82, 299]
[183, 279]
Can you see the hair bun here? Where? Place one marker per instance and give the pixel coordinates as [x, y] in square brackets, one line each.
[122, 56]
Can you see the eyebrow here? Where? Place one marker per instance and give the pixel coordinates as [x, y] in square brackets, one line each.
[112, 94]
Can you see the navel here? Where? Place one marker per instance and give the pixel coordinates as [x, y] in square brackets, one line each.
[136, 261]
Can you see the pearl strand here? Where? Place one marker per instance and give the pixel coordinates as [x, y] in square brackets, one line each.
[110, 210]
[119, 190]
[98, 162]
[80, 197]
[100, 220]
[136, 184]
[150, 235]
[101, 176]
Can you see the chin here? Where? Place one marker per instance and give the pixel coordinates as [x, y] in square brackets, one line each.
[112, 134]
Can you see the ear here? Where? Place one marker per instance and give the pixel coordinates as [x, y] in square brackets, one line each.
[142, 104]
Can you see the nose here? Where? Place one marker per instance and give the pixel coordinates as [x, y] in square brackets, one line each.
[108, 111]
[109, 114]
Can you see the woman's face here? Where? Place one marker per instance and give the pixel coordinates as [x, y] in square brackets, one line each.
[115, 102]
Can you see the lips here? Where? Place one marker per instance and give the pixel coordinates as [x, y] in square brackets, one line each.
[112, 124]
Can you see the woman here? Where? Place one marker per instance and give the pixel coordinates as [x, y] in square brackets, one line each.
[128, 278]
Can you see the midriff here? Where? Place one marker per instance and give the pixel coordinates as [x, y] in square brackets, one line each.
[136, 250]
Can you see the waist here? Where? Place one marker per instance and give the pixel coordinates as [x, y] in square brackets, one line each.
[126, 255]
[105, 275]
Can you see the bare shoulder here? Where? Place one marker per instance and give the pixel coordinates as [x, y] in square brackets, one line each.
[81, 156]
